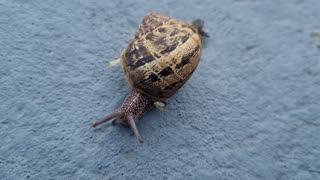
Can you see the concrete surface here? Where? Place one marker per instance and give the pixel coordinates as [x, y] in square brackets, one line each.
[250, 111]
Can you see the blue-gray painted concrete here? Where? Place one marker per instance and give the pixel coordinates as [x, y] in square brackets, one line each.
[250, 111]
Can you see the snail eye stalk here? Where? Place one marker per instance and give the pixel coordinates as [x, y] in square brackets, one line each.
[134, 128]
[107, 118]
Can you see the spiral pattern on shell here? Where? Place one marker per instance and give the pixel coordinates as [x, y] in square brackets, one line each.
[162, 57]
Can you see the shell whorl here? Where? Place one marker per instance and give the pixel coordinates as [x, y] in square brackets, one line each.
[162, 57]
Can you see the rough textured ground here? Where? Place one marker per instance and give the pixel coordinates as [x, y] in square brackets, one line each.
[250, 111]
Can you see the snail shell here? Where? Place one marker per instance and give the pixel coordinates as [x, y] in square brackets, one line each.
[162, 57]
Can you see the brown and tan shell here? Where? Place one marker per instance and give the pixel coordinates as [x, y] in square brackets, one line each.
[162, 57]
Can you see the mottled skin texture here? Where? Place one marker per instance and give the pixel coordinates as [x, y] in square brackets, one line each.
[157, 63]
[130, 112]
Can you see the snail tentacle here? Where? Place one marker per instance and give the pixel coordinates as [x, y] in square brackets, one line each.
[107, 118]
[134, 127]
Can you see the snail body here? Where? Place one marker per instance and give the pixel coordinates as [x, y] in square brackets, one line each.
[157, 63]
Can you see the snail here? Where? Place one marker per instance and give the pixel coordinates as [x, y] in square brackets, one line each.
[157, 63]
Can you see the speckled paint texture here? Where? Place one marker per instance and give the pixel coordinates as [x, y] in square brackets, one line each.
[250, 111]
